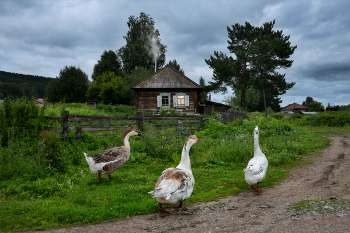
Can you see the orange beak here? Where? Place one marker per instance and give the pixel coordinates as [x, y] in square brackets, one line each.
[198, 140]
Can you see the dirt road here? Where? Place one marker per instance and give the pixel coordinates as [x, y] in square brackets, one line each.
[327, 178]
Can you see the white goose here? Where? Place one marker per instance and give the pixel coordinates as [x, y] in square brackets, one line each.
[257, 166]
[112, 159]
[176, 184]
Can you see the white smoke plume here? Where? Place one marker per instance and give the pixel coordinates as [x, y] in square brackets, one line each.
[154, 47]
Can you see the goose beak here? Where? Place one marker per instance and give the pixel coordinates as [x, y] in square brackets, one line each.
[198, 140]
[140, 135]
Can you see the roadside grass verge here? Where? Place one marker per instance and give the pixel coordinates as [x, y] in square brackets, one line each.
[75, 196]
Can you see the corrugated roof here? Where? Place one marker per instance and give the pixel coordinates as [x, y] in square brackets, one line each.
[167, 77]
[293, 106]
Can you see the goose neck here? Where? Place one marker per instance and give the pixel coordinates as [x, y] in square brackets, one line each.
[185, 158]
[126, 141]
[257, 149]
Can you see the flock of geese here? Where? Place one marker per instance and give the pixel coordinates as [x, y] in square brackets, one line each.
[175, 185]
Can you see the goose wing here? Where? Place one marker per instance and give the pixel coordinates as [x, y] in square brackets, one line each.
[171, 181]
[110, 155]
[257, 165]
[114, 165]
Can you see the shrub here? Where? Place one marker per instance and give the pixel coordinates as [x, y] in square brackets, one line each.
[21, 116]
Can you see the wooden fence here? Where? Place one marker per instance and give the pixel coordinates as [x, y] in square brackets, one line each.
[232, 115]
[196, 121]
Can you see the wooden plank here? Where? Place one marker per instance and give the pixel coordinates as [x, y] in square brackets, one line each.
[101, 118]
[171, 118]
[54, 118]
[186, 124]
[99, 128]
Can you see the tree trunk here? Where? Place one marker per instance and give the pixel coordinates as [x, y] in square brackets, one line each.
[243, 105]
[265, 101]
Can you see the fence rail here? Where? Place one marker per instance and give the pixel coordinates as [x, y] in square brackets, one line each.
[136, 122]
[139, 119]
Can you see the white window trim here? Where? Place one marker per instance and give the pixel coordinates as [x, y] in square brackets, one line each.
[181, 94]
[161, 100]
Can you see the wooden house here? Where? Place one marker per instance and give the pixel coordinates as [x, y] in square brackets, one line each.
[167, 89]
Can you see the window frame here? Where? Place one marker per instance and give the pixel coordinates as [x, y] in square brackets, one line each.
[168, 98]
[183, 96]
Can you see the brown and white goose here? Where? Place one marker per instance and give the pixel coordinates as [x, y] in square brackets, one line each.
[110, 160]
[176, 184]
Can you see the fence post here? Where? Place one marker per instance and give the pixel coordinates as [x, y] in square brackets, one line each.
[139, 122]
[78, 132]
[181, 123]
[65, 126]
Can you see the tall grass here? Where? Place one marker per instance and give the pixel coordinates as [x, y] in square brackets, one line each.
[330, 119]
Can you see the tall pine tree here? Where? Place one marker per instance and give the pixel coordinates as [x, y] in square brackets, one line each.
[258, 53]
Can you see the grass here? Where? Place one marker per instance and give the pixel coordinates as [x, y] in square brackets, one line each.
[329, 131]
[323, 206]
[77, 197]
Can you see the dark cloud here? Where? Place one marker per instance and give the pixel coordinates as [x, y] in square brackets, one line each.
[41, 37]
[332, 71]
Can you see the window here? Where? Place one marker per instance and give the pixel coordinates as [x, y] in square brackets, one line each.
[163, 100]
[181, 101]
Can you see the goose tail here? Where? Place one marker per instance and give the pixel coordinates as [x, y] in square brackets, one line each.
[88, 159]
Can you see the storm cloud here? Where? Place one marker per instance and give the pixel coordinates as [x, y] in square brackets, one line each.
[40, 37]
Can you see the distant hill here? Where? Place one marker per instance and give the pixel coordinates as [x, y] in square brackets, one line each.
[19, 85]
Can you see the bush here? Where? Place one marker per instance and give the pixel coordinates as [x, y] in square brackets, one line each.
[21, 116]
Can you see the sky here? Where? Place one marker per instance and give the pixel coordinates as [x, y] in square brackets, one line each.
[41, 37]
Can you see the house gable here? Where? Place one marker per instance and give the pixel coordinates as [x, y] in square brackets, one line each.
[167, 78]
[294, 107]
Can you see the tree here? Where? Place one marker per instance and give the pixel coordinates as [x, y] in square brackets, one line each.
[143, 46]
[109, 62]
[316, 107]
[204, 95]
[307, 101]
[107, 88]
[176, 66]
[259, 52]
[132, 79]
[70, 86]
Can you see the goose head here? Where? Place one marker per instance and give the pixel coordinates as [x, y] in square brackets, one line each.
[191, 140]
[128, 134]
[256, 130]
[131, 132]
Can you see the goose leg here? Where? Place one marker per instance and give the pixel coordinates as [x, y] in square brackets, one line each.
[109, 176]
[162, 210]
[99, 174]
[253, 188]
[180, 205]
[256, 190]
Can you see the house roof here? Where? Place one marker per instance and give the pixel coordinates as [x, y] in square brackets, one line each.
[41, 101]
[167, 77]
[294, 106]
[208, 102]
